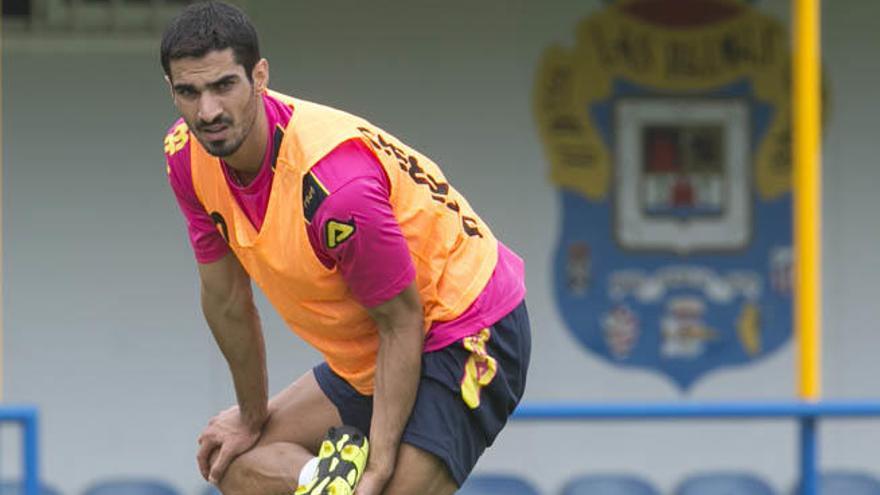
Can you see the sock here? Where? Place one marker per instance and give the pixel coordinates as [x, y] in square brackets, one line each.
[308, 471]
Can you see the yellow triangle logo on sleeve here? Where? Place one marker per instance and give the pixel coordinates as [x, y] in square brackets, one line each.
[338, 232]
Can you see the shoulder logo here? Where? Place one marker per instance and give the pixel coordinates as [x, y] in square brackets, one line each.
[338, 232]
[313, 193]
[176, 139]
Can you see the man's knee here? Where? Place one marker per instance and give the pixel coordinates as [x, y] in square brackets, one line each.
[264, 470]
[240, 478]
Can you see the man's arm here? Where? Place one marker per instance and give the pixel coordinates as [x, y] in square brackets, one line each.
[376, 264]
[398, 366]
[227, 302]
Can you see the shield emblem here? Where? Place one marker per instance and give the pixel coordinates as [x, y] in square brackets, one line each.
[675, 249]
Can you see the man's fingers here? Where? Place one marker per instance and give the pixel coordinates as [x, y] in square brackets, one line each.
[220, 463]
[369, 485]
[206, 446]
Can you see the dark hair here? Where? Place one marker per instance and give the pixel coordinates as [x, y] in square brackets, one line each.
[208, 26]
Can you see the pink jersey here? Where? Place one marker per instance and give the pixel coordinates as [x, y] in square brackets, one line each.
[375, 261]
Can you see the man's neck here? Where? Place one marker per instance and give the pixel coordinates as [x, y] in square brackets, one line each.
[246, 161]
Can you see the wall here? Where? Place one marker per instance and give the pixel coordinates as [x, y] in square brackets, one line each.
[102, 327]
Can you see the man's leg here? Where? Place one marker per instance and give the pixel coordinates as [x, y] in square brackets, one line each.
[419, 472]
[458, 411]
[301, 416]
[305, 413]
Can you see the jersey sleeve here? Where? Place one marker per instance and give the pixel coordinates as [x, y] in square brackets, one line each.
[207, 243]
[354, 227]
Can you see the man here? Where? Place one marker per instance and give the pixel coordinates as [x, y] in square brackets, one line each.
[366, 252]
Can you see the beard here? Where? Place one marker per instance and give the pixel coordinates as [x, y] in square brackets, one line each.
[224, 147]
[235, 138]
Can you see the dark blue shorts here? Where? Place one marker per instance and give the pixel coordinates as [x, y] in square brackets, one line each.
[466, 393]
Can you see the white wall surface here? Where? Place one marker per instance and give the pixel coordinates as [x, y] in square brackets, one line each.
[102, 327]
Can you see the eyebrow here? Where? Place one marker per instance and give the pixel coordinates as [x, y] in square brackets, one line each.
[212, 84]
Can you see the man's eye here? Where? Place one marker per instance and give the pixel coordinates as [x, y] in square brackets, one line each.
[224, 85]
[186, 93]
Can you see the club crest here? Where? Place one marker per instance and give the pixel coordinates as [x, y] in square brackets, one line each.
[667, 130]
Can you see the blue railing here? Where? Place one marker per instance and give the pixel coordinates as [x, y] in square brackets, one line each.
[27, 418]
[807, 413]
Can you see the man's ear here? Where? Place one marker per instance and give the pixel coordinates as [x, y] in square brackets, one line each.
[261, 76]
[170, 85]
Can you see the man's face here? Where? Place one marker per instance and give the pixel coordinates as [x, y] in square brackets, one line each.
[216, 99]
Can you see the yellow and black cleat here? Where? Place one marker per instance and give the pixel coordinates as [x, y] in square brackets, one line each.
[341, 463]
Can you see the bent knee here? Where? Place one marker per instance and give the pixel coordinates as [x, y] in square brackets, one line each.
[240, 477]
[265, 470]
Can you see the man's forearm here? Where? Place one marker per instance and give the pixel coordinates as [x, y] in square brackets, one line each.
[398, 366]
[236, 328]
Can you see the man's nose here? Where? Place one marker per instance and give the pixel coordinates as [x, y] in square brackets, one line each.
[209, 108]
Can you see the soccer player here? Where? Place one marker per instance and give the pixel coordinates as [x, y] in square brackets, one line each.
[367, 253]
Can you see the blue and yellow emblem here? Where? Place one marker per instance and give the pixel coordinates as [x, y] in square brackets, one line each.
[667, 128]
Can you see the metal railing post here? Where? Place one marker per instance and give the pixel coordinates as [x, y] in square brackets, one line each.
[30, 454]
[809, 455]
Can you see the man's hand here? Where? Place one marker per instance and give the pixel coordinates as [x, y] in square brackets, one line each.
[226, 437]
